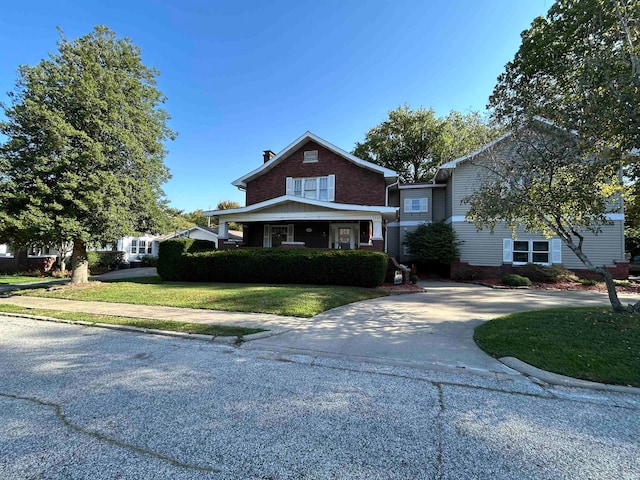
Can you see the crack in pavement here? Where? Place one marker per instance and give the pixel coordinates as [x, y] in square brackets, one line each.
[57, 410]
[439, 438]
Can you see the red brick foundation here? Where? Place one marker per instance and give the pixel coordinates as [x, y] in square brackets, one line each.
[465, 271]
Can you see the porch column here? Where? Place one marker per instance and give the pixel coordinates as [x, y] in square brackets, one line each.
[223, 231]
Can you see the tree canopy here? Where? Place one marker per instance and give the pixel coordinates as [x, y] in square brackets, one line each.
[83, 162]
[578, 67]
[415, 143]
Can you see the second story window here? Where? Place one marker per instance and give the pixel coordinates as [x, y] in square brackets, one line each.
[415, 205]
[315, 188]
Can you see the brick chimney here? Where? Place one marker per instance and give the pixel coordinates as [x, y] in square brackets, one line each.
[268, 155]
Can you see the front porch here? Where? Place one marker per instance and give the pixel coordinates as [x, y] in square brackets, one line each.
[293, 222]
[345, 235]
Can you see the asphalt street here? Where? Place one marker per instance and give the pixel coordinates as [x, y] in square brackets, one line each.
[90, 403]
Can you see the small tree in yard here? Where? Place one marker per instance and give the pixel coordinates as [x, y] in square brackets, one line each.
[83, 160]
[545, 181]
[434, 242]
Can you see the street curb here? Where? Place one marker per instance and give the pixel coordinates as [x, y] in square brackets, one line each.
[225, 340]
[562, 380]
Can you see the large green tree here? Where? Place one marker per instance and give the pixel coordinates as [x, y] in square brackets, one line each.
[543, 179]
[579, 68]
[83, 162]
[415, 143]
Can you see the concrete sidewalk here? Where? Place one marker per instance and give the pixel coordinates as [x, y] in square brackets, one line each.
[274, 323]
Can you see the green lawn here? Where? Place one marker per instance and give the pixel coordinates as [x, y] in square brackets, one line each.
[8, 279]
[293, 300]
[589, 343]
[216, 330]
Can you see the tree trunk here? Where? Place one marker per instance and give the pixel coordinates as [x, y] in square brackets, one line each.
[608, 279]
[79, 263]
[22, 260]
[611, 289]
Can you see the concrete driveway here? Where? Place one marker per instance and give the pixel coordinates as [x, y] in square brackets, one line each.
[433, 329]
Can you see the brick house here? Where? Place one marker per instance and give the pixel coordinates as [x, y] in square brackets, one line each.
[313, 194]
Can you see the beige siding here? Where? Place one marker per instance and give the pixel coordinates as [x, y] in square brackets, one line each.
[293, 207]
[438, 209]
[416, 193]
[393, 242]
[448, 210]
[485, 249]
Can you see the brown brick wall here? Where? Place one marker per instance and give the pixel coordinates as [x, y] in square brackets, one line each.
[354, 184]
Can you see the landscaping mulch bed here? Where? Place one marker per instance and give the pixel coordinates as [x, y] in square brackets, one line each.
[633, 287]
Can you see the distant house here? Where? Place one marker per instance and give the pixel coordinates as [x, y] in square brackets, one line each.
[203, 233]
[313, 194]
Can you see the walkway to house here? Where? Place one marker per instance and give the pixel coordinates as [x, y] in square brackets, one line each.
[433, 329]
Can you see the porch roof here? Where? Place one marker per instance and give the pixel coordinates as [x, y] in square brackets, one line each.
[320, 210]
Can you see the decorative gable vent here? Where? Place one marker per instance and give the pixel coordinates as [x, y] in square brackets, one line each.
[310, 156]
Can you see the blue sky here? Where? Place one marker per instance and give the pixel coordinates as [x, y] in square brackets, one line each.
[245, 76]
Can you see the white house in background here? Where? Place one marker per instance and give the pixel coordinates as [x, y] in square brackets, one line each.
[202, 233]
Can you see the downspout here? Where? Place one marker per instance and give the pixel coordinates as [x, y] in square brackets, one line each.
[386, 204]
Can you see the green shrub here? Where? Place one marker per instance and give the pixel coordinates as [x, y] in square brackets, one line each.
[466, 273]
[540, 273]
[149, 261]
[434, 242]
[170, 262]
[515, 280]
[103, 261]
[283, 266]
[588, 282]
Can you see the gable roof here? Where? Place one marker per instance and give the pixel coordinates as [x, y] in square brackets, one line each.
[305, 137]
[445, 169]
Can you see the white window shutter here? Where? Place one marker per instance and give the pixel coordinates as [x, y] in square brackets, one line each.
[290, 233]
[331, 188]
[266, 241]
[423, 205]
[289, 189]
[556, 250]
[407, 205]
[507, 250]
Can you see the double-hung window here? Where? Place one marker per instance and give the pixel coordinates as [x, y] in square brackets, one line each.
[531, 251]
[315, 188]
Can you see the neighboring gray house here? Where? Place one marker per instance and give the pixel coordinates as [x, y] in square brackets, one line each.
[442, 200]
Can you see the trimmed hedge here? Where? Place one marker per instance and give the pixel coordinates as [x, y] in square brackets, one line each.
[282, 266]
[170, 253]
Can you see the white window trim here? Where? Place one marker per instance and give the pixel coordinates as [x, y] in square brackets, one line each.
[331, 187]
[554, 251]
[266, 238]
[422, 207]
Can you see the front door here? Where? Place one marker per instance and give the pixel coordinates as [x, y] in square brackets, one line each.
[344, 235]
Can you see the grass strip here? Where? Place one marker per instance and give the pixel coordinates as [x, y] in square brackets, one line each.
[171, 325]
[13, 279]
[590, 343]
[291, 300]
